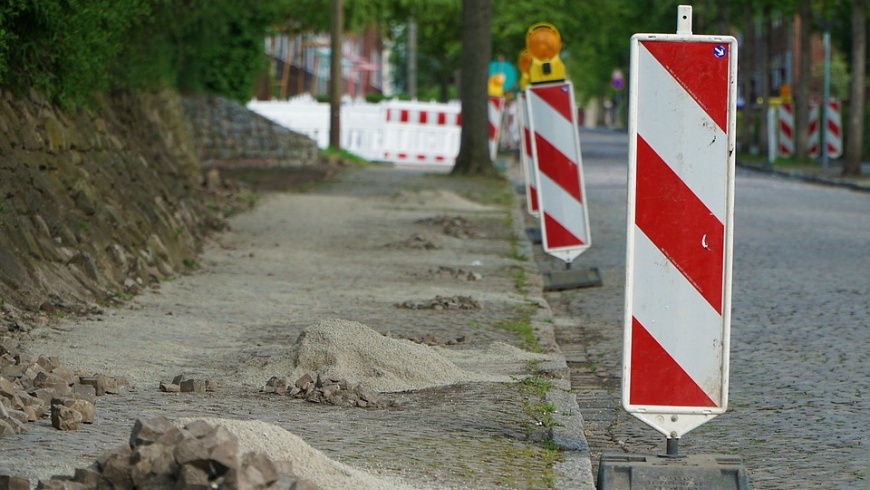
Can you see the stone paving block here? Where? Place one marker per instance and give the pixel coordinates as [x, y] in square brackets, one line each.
[194, 478]
[149, 430]
[169, 387]
[52, 381]
[192, 452]
[89, 476]
[193, 386]
[86, 392]
[63, 418]
[80, 405]
[14, 483]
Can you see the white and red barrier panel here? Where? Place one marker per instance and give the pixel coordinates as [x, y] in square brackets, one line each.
[402, 132]
[526, 158]
[417, 134]
[681, 188]
[495, 112]
[786, 130]
[833, 125]
[559, 177]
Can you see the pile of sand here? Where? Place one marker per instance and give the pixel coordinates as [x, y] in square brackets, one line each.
[309, 463]
[353, 351]
[349, 350]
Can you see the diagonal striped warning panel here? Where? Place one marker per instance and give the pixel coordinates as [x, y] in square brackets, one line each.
[559, 170]
[678, 267]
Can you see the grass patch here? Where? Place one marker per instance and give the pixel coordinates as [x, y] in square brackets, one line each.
[521, 324]
[515, 253]
[190, 264]
[244, 201]
[336, 156]
[535, 386]
[781, 163]
[121, 295]
[521, 279]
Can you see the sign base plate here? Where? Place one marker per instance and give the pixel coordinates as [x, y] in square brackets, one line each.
[684, 472]
[562, 279]
[534, 235]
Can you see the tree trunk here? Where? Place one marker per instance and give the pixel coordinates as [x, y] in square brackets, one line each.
[412, 58]
[855, 130]
[747, 62]
[473, 155]
[764, 58]
[802, 87]
[335, 89]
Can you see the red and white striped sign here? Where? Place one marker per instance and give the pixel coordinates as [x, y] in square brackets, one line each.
[420, 136]
[559, 176]
[526, 158]
[786, 130]
[681, 188]
[834, 127]
[495, 110]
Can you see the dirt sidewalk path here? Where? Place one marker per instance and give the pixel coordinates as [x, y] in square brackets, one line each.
[412, 256]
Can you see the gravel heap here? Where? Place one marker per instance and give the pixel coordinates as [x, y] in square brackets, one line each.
[197, 455]
[455, 226]
[455, 273]
[442, 303]
[333, 391]
[343, 349]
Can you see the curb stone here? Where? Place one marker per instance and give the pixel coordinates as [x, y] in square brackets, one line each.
[857, 185]
[574, 472]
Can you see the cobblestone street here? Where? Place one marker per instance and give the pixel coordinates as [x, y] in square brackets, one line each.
[799, 385]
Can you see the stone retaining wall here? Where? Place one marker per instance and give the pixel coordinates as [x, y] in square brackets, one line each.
[227, 134]
[96, 203]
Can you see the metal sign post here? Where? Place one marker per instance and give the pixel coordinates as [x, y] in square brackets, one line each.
[681, 193]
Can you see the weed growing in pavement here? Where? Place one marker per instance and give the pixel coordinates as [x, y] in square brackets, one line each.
[521, 280]
[190, 264]
[515, 253]
[244, 201]
[535, 385]
[524, 328]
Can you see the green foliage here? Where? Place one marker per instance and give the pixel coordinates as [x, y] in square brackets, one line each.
[71, 49]
[62, 48]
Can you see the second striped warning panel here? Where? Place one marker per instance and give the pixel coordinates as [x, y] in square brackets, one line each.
[559, 177]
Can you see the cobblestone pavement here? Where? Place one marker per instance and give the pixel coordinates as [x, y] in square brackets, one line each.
[800, 342]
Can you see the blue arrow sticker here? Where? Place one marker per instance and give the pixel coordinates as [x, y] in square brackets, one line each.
[719, 51]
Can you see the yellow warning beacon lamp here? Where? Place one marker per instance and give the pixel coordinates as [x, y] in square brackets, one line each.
[523, 64]
[544, 43]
